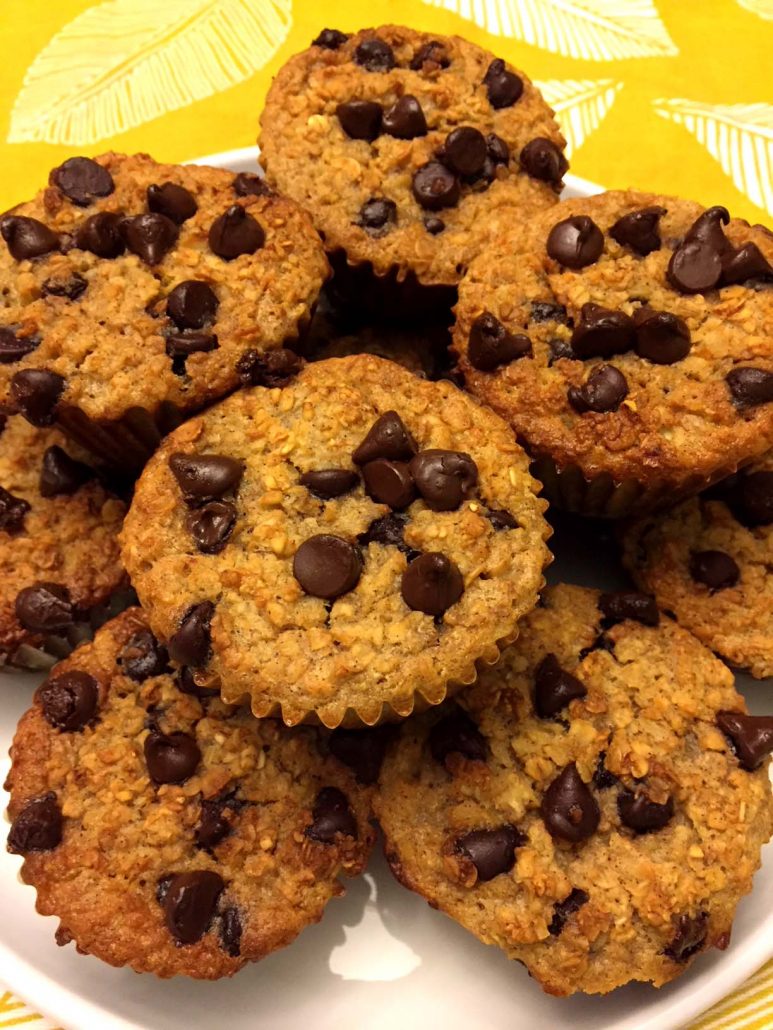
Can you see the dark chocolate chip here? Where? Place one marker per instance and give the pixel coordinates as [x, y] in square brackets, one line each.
[492, 852]
[71, 287]
[272, 369]
[327, 566]
[629, 604]
[432, 583]
[330, 39]
[387, 530]
[554, 687]
[432, 54]
[61, 474]
[542, 159]
[434, 225]
[192, 304]
[149, 236]
[389, 482]
[180, 346]
[498, 151]
[504, 88]
[748, 262]
[331, 817]
[374, 55]
[715, 569]
[36, 393]
[689, 938]
[386, 438]
[360, 119]
[231, 932]
[435, 187]
[247, 184]
[101, 235]
[601, 333]
[82, 180]
[491, 345]
[361, 750]
[639, 230]
[465, 151]
[756, 498]
[14, 348]
[707, 228]
[639, 813]
[142, 656]
[559, 348]
[192, 642]
[188, 685]
[213, 826]
[501, 519]
[750, 386]
[190, 902]
[568, 808]
[544, 311]
[444, 478]
[456, 733]
[27, 237]
[661, 337]
[695, 267]
[69, 702]
[205, 476]
[235, 233]
[12, 512]
[171, 758]
[603, 391]
[603, 779]
[44, 608]
[211, 525]
[329, 483]
[750, 735]
[575, 242]
[564, 910]
[38, 827]
[172, 200]
[405, 118]
[377, 216]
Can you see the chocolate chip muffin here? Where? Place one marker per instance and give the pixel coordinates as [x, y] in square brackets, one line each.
[343, 548]
[627, 339]
[595, 805]
[409, 150]
[133, 290]
[166, 830]
[708, 561]
[59, 555]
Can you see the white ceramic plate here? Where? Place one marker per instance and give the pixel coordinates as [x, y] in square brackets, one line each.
[380, 958]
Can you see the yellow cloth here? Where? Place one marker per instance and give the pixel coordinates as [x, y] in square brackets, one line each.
[673, 96]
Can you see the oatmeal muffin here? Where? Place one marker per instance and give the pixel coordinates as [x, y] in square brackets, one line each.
[59, 555]
[133, 289]
[166, 830]
[627, 339]
[340, 549]
[409, 150]
[595, 805]
[708, 561]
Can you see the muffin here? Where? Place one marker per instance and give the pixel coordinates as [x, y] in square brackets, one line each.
[60, 563]
[343, 549]
[708, 561]
[626, 337]
[594, 806]
[167, 831]
[134, 289]
[409, 150]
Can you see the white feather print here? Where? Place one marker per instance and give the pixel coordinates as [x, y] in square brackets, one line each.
[580, 105]
[594, 30]
[739, 136]
[123, 62]
[763, 8]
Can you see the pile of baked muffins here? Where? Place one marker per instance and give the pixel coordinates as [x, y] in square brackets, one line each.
[315, 419]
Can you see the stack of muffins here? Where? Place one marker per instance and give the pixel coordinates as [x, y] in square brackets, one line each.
[329, 494]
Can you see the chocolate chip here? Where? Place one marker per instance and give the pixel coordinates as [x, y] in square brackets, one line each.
[61, 474]
[405, 118]
[361, 750]
[564, 910]
[707, 228]
[205, 476]
[638, 812]
[542, 159]
[360, 119]
[492, 852]
[330, 39]
[211, 525]
[190, 902]
[14, 348]
[389, 482]
[601, 333]
[756, 498]
[491, 345]
[12, 512]
[387, 530]
[231, 932]
[497, 150]
[377, 216]
[247, 184]
[569, 809]
[575, 242]
[435, 187]
[69, 702]
[602, 777]
[188, 685]
[374, 55]
[629, 604]
[38, 827]
[386, 438]
[432, 54]
[173, 201]
[332, 817]
[501, 519]
[603, 391]
[235, 233]
[180, 346]
[689, 938]
[272, 369]
[213, 827]
[327, 566]
[192, 643]
[44, 608]
[434, 225]
[142, 656]
[329, 483]
[504, 88]
[695, 267]
[71, 287]
[444, 478]
[714, 569]
[192, 304]
[661, 337]
[554, 687]
[149, 236]
[27, 237]
[101, 235]
[465, 151]
[750, 386]
[750, 735]
[544, 311]
[36, 392]
[456, 733]
[748, 262]
[171, 758]
[639, 230]
[432, 583]
[82, 180]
